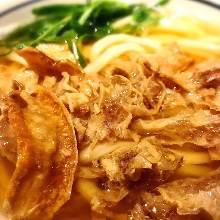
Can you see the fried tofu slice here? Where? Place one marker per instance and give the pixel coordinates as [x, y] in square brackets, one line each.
[46, 156]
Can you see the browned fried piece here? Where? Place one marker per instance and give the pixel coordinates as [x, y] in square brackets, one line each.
[44, 65]
[191, 195]
[209, 78]
[7, 140]
[151, 207]
[200, 127]
[182, 199]
[46, 156]
[123, 163]
[8, 146]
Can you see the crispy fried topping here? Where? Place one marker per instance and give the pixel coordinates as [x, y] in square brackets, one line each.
[46, 156]
[143, 124]
[44, 65]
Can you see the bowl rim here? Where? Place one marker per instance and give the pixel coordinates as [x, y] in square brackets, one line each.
[18, 6]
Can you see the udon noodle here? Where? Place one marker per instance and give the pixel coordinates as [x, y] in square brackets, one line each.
[146, 112]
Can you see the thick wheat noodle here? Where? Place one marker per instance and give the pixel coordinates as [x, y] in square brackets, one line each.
[100, 46]
[110, 54]
[194, 170]
[193, 157]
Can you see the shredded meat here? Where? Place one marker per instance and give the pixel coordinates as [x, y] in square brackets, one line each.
[185, 198]
[209, 78]
[125, 161]
[170, 60]
[140, 123]
[151, 207]
[192, 195]
[200, 128]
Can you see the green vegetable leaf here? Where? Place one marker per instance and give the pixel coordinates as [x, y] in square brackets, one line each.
[59, 9]
[76, 52]
[80, 23]
[141, 13]
[162, 3]
[53, 30]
